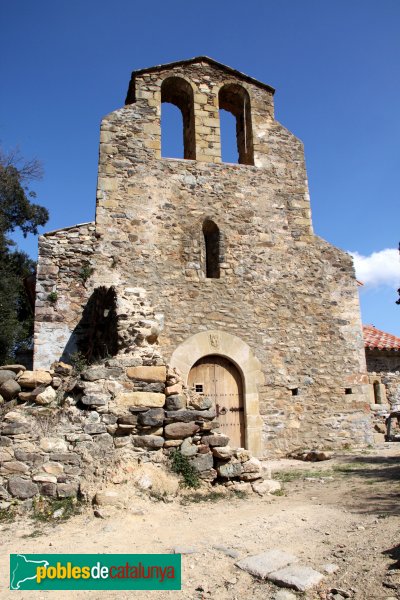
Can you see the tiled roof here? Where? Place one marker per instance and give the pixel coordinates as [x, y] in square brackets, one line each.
[375, 339]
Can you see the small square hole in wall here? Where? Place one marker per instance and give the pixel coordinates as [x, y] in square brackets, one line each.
[295, 391]
[348, 391]
[198, 388]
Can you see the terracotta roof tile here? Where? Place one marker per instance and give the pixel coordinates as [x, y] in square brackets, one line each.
[375, 339]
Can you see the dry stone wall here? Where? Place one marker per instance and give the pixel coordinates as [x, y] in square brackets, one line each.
[289, 295]
[62, 434]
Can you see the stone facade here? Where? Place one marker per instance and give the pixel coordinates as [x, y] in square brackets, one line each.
[218, 249]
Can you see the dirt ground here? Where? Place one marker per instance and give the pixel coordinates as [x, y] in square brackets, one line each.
[343, 511]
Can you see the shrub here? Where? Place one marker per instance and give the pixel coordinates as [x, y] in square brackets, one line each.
[180, 464]
[52, 297]
[78, 361]
[86, 272]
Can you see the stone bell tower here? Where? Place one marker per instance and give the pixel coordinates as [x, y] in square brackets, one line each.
[225, 254]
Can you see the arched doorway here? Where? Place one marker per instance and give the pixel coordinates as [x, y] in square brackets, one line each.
[219, 379]
[221, 343]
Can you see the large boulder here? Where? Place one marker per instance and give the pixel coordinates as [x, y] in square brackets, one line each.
[46, 397]
[9, 389]
[15, 368]
[31, 379]
[6, 374]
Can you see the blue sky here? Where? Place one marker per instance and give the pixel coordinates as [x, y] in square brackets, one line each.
[335, 66]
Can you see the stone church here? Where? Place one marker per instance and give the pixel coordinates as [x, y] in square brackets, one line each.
[211, 267]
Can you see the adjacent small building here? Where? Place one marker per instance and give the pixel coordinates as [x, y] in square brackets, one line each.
[382, 351]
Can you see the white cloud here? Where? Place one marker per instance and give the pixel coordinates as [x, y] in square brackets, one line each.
[379, 268]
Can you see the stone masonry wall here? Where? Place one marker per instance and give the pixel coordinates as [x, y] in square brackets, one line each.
[289, 295]
[62, 290]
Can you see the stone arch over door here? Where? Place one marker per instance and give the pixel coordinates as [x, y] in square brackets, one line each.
[236, 350]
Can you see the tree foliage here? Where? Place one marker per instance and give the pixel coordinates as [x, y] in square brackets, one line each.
[16, 212]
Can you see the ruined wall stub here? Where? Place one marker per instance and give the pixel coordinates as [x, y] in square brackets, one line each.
[289, 295]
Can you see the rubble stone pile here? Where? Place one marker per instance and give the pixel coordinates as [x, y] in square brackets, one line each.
[63, 432]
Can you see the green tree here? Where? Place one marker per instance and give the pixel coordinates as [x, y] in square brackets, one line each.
[17, 211]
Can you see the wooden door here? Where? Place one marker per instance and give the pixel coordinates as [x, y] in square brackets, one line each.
[218, 378]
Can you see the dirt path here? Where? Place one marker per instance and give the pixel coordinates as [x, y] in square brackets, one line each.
[343, 511]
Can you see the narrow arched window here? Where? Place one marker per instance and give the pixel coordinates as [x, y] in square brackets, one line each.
[377, 393]
[212, 240]
[234, 99]
[177, 91]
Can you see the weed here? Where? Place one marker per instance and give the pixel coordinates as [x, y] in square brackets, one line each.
[86, 272]
[240, 494]
[197, 497]
[46, 422]
[288, 475]
[7, 515]
[278, 493]
[78, 361]
[295, 474]
[44, 509]
[180, 464]
[52, 297]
